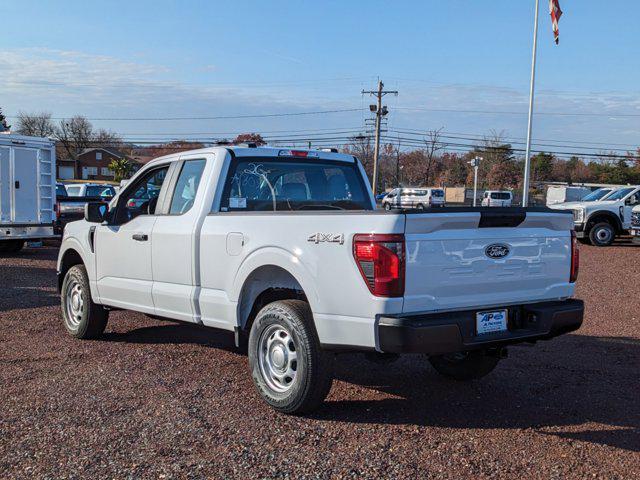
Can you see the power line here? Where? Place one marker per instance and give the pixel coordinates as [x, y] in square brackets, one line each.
[220, 117]
[501, 112]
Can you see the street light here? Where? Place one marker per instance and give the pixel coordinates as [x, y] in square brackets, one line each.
[475, 163]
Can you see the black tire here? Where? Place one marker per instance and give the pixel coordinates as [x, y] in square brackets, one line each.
[387, 206]
[602, 234]
[11, 246]
[584, 241]
[420, 206]
[82, 317]
[464, 365]
[312, 367]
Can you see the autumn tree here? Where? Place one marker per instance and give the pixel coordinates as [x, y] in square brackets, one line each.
[542, 167]
[121, 168]
[250, 138]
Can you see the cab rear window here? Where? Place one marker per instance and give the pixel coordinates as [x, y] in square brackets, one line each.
[268, 184]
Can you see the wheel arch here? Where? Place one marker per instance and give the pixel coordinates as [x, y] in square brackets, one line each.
[67, 259]
[266, 284]
[604, 216]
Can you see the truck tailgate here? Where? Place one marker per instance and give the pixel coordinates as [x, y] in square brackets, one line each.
[492, 257]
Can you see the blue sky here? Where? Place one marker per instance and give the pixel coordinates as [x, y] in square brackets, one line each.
[144, 58]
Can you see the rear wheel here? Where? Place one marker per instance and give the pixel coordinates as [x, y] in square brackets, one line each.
[465, 365]
[11, 246]
[420, 206]
[82, 317]
[387, 206]
[602, 234]
[289, 368]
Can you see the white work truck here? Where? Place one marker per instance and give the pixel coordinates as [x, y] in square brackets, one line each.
[600, 222]
[27, 190]
[635, 225]
[286, 249]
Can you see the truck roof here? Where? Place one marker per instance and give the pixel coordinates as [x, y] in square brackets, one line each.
[266, 151]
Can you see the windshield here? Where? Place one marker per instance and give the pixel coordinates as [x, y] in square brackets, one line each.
[413, 193]
[500, 195]
[596, 195]
[620, 194]
[256, 184]
[74, 191]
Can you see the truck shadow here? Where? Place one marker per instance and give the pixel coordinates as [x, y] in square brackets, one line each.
[175, 333]
[577, 387]
[27, 287]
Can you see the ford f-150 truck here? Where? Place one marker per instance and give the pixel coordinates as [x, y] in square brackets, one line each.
[599, 223]
[286, 249]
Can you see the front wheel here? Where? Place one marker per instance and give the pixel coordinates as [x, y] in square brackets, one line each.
[82, 317]
[602, 234]
[465, 365]
[289, 368]
[387, 206]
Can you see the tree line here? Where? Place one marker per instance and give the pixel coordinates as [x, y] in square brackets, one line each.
[430, 164]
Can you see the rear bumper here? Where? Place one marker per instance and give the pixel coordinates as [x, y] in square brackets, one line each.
[25, 231]
[450, 332]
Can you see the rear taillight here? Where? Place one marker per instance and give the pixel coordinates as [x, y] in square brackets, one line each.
[381, 261]
[575, 257]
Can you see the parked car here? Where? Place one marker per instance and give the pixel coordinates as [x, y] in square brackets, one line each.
[285, 248]
[70, 205]
[27, 190]
[563, 194]
[105, 191]
[599, 223]
[419, 198]
[635, 224]
[495, 198]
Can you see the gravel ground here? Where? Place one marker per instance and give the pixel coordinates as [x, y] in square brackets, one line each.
[161, 400]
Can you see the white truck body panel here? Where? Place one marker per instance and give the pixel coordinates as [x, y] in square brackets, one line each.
[561, 194]
[27, 187]
[207, 265]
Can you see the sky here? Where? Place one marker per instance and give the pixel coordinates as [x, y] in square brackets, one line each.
[459, 65]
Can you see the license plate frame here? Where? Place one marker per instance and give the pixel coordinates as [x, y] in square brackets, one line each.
[492, 321]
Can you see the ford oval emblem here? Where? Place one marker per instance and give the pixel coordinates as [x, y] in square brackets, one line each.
[497, 250]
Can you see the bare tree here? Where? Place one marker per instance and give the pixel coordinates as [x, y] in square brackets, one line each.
[75, 134]
[35, 124]
[433, 146]
[361, 146]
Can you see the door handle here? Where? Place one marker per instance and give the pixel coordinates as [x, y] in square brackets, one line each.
[140, 237]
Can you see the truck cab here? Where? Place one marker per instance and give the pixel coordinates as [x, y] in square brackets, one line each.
[285, 250]
[600, 222]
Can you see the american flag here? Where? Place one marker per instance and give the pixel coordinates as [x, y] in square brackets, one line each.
[556, 13]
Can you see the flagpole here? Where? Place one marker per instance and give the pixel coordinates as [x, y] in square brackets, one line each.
[527, 159]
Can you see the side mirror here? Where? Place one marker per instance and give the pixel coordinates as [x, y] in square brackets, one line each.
[96, 212]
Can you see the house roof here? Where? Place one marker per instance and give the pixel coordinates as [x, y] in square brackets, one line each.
[111, 151]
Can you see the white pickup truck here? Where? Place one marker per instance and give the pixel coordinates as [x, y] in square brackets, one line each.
[600, 222]
[286, 249]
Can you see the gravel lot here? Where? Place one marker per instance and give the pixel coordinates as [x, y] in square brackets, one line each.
[162, 400]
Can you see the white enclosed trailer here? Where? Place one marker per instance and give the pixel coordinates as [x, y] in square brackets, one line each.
[561, 194]
[27, 190]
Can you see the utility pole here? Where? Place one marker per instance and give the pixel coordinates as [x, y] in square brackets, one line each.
[475, 163]
[380, 112]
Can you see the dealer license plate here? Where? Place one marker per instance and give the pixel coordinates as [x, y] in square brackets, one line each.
[491, 322]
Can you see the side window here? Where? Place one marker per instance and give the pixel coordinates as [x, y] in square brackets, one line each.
[186, 186]
[142, 198]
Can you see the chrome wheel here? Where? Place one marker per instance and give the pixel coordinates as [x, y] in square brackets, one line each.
[277, 358]
[75, 304]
